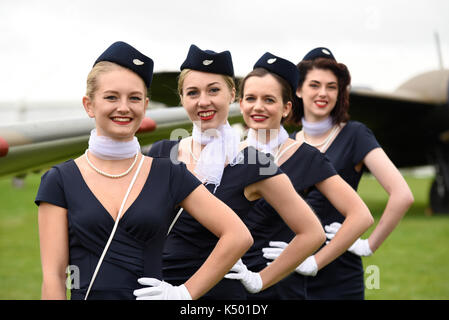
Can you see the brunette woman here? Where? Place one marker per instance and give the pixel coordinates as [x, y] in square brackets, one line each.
[266, 97]
[235, 174]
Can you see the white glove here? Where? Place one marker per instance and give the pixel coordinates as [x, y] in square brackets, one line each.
[274, 250]
[160, 290]
[250, 280]
[360, 247]
[307, 268]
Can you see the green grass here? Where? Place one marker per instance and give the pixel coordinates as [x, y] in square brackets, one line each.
[20, 269]
[414, 260]
[412, 263]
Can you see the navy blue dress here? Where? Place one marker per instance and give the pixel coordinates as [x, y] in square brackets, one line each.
[343, 278]
[305, 168]
[136, 248]
[189, 243]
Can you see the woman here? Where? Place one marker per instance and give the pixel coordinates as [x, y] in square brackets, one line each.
[351, 147]
[80, 201]
[236, 176]
[266, 96]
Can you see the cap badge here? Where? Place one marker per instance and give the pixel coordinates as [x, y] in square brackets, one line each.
[137, 62]
[271, 61]
[325, 52]
[207, 62]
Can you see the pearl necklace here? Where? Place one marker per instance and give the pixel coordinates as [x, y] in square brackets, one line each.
[325, 142]
[280, 153]
[114, 176]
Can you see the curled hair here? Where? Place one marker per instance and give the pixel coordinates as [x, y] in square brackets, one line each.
[340, 112]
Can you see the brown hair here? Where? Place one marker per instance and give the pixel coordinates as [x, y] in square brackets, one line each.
[286, 90]
[100, 68]
[340, 112]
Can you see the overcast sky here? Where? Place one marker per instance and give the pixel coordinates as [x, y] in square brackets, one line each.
[47, 47]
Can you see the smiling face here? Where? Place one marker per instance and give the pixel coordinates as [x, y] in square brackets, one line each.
[206, 98]
[118, 103]
[319, 93]
[262, 103]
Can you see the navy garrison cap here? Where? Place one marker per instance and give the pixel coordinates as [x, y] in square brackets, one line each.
[208, 61]
[283, 68]
[127, 56]
[319, 52]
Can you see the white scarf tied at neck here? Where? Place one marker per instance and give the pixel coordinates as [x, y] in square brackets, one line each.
[109, 149]
[222, 145]
[317, 128]
[272, 145]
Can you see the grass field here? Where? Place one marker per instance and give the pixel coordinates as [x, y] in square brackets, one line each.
[412, 264]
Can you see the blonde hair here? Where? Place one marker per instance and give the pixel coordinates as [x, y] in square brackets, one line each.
[100, 68]
[182, 76]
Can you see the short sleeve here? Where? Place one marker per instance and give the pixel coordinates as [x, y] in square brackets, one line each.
[182, 182]
[365, 141]
[51, 189]
[320, 168]
[259, 166]
[164, 149]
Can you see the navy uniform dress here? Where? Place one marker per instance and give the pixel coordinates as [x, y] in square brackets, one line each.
[343, 278]
[136, 248]
[305, 168]
[189, 243]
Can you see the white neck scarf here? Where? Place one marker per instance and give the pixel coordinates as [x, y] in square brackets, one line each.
[109, 149]
[317, 128]
[222, 144]
[257, 139]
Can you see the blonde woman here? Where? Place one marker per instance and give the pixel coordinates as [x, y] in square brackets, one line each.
[235, 174]
[107, 212]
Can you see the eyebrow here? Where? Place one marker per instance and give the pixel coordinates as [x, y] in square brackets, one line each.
[332, 82]
[209, 85]
[264, 96]
[116, 92]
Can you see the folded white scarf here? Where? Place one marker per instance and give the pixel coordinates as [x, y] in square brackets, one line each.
[222, 145]
[257, 139]
[317, 128]
[107, 148]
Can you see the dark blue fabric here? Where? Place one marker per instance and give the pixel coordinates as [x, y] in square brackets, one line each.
[282, 67]
[305, 168]
[127, 56]
[136, 248]
[189, 243]
[208, 61]
[320, 52]
[343, 278]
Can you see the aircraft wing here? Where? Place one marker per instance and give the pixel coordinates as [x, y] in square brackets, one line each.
[32, 146]
[408, 122]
